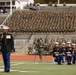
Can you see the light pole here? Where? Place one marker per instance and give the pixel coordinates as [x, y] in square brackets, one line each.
[58, 1]
[10, 7]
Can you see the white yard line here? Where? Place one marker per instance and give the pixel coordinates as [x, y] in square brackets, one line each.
[14, 64]
[29, 71]
[38, 63]
[1, 70]
[18, 64]
[11, 62]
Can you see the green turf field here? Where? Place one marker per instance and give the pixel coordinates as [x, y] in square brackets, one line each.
[38, 68]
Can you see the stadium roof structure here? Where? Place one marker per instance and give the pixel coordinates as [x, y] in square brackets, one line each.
[8, 0]
[4, 0]
[15, 0]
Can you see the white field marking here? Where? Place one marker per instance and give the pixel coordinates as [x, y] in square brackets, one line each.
[11, 62]
[14, 64]
[22, 71]
[39, 63]
[29, 63]
[28, 71]
[1, 70]
[10, 70]
[18, 64]
[36, 63]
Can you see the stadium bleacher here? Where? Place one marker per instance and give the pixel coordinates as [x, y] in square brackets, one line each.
[42, 22]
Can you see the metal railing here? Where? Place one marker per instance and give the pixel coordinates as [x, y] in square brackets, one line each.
[5, 19]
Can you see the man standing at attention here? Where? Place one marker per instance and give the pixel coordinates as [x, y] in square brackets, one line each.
[6, 47]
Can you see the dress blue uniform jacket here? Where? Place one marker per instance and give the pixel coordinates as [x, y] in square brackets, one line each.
[6, 42]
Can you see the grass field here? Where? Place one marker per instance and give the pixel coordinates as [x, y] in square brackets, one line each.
[21, 67]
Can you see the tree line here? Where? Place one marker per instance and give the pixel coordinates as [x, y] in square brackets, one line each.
[55, 1]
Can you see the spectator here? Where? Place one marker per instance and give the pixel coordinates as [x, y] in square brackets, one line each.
[38, 7]
[1, 10]
[30, 48]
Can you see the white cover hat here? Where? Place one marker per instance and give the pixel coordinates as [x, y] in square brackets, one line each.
[4, 27]
[73, 44]
[68, 42]
[63, 43]
[56, 43]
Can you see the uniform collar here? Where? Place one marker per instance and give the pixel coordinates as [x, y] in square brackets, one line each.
[5, 33]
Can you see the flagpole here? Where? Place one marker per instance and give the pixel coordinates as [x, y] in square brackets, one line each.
[58, 1]
[10, 7]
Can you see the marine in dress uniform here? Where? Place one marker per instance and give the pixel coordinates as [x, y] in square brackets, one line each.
[74, 53]
[56, 52]
[62, 52]
[69, 53]
[6, 47]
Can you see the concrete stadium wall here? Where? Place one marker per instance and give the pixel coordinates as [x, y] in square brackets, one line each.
[59, 4]
[28, 38]
[59, 8]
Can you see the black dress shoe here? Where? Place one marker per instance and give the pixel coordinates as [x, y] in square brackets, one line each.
[7, 71]
[69, 63]
[59, 63]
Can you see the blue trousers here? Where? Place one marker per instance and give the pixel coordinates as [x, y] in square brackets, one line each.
[74, 58]
[6, 60]
[69, 59]
[58, 59]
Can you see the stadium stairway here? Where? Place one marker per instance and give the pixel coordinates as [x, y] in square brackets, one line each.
[21, 41]
[2, 18]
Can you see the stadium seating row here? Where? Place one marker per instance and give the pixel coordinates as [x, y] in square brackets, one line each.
[42, 22]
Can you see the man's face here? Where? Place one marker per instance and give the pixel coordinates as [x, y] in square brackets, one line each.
[56, 45]
[69, 45]
[63, 45]
[74, 46]
[5, 30]
[40, 41]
